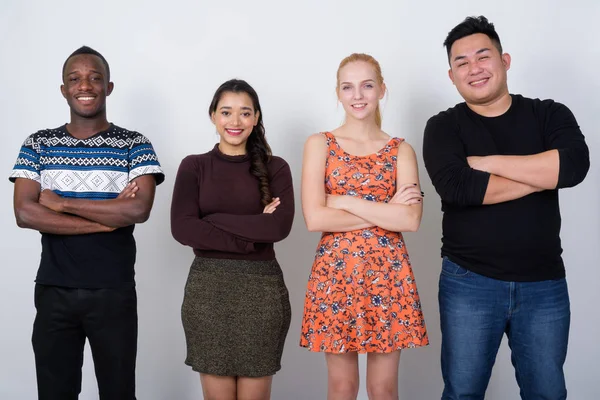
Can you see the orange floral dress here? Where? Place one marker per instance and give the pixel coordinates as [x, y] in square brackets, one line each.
[361, 294]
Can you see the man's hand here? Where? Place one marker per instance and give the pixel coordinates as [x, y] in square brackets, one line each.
[129, 191]
[51, 200]
[479, 163]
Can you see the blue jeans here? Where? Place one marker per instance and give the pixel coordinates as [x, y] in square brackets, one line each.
[475, 313]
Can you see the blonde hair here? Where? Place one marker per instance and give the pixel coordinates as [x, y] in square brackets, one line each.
[368, 59]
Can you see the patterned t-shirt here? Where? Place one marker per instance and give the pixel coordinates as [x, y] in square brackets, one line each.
[97, 168]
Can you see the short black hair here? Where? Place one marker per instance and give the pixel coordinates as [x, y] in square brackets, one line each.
[87, 50]
[471, 26]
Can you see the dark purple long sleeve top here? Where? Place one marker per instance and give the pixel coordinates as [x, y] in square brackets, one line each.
[216, 207]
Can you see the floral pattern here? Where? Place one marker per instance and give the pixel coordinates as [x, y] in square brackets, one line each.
[361, 293]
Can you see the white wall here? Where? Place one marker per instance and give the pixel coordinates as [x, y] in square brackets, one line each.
[168, 57]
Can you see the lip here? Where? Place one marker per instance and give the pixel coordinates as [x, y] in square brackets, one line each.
[479, 82]
[234, 132]
[359, 106]
[85, 99]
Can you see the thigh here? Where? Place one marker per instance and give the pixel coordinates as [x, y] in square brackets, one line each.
[473, 316]
[58, 341]
[342, 375]
[254, 388]
[382, 375]
[538, 337]
[216, 387]
[110, 323]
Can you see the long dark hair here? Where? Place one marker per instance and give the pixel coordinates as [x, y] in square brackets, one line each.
[256, 146]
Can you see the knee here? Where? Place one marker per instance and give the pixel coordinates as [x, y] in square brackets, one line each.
[343, 387]
[382, 390]
[254, 396]
[218, 396]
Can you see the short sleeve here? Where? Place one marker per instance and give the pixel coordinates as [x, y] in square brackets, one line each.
[143, 160]
[28, 162]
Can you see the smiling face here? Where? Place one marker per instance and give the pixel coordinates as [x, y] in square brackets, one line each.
[359, 90]
[85, 86]
[234, 119]
[478, 70]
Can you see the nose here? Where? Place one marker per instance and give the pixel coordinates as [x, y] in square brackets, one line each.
[358, 93]
[84, 84]
[475, 68]
[235, 120]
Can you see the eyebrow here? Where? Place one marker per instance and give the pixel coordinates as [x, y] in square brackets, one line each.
[92, 71]
[477, 52]
[350, 83]
[229, 108]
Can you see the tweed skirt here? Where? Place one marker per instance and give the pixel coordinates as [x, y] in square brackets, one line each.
[236, 315]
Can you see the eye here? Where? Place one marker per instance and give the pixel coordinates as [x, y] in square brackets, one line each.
[369, 86]
[484, 58]
[346, 87]
[462, 64]
[246, 114]
[73, 79]
[225, 113]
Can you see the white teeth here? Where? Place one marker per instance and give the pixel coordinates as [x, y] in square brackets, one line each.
[85, 98]
[358, 105]
[478, 82]
[234, 130]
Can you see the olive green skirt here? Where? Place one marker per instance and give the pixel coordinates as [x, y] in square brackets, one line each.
[236, 315]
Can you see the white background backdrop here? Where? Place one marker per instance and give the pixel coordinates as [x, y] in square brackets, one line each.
[168, 57]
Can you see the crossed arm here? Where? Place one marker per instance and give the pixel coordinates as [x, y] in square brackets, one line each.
[330, 213]
[47, 212]
[187, 224]
[537, 170]
[474, 180]
[565, 164]
[270, 226]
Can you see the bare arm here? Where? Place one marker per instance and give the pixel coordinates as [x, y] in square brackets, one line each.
[394, 216]
[30, 214]
[116, 213]
[317, 216]
[537, 170]
[500, 189]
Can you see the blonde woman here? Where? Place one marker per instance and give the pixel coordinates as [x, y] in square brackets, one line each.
[361, 295]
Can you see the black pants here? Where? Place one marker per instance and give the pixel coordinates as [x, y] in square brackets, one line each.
[65, 318]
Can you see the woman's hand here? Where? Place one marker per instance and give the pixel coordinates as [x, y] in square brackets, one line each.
[272, 206]
[408, 194]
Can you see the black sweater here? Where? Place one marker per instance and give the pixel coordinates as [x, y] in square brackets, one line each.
[516, 240]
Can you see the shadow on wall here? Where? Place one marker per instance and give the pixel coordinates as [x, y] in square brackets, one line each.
[303, 374]
[420, 376]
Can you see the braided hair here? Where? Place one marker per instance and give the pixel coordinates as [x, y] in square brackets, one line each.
[256, 146]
